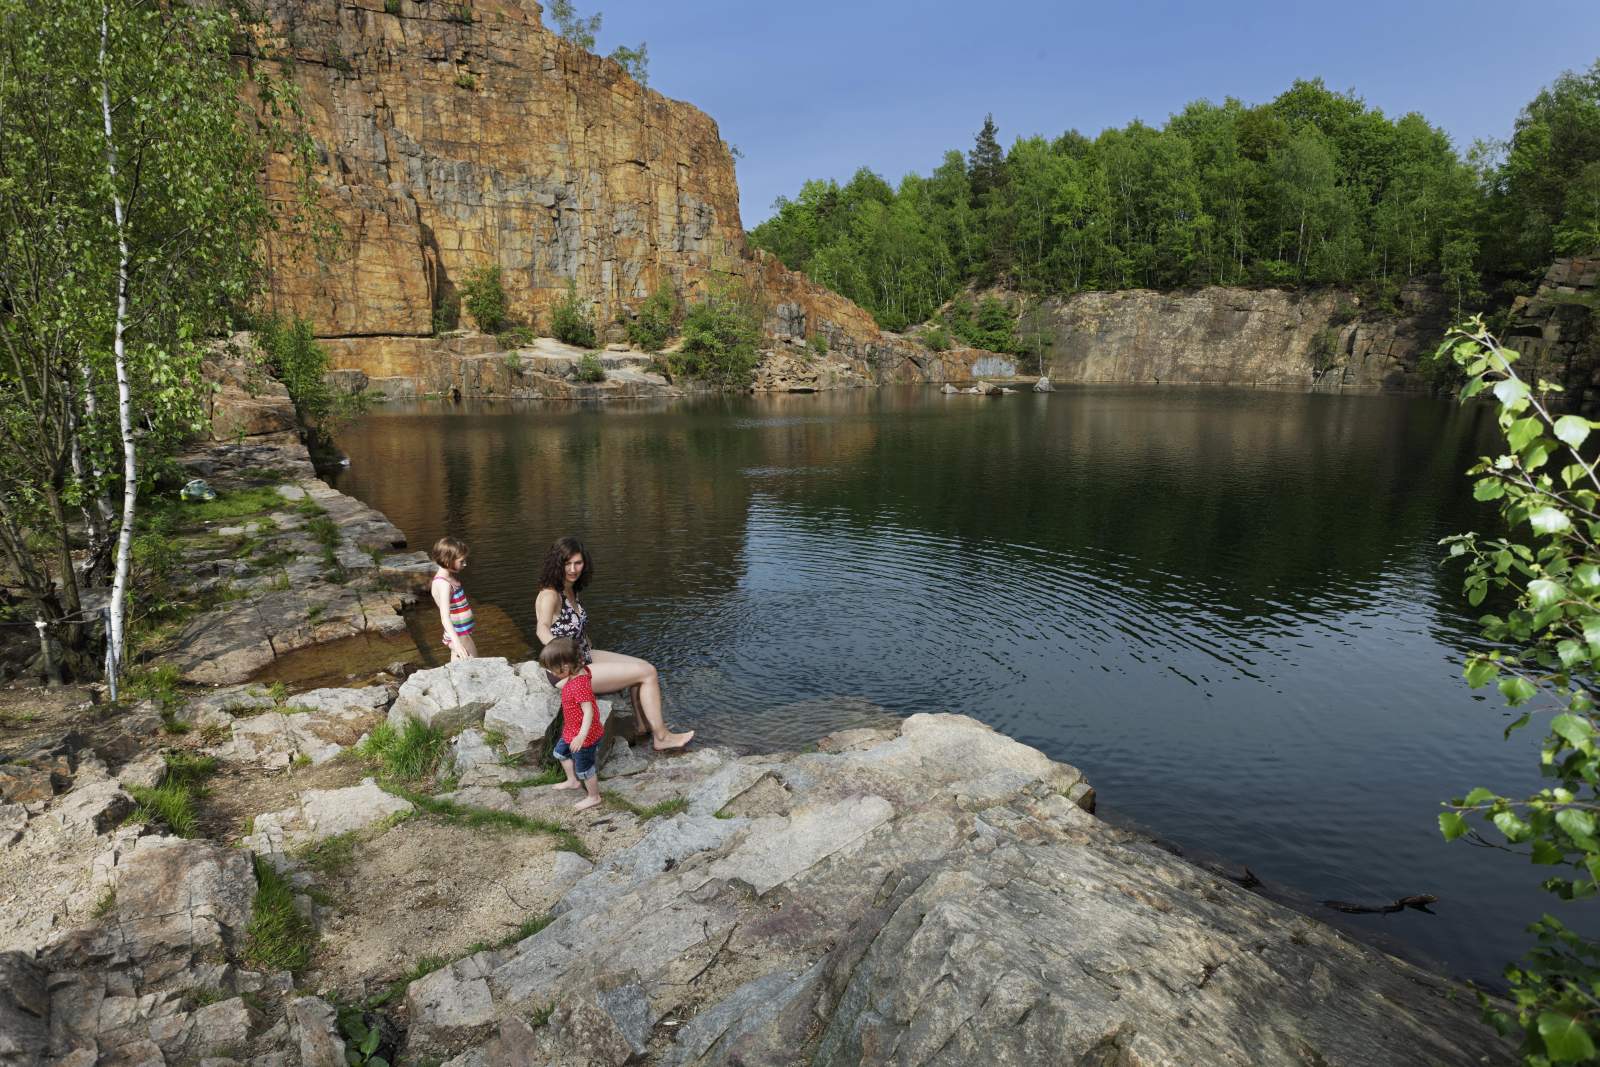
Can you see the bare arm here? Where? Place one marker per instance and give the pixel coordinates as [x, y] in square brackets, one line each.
[583, 729]
[441, 597]
[545, 606]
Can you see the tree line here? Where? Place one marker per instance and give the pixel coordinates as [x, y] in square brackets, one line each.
[1313, 188]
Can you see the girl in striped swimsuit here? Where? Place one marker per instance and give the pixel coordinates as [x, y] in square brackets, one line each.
[454, 611]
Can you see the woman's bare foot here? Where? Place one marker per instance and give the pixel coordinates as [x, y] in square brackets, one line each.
[671, 741]
[586, 803]
[568, 785]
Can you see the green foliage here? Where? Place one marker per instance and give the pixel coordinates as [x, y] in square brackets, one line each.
[590, 369]
[720, 338]
[636, 61]
[362, 1036]
[818, 343]
[332, 856]
[391, 7]
[173, 801]
[990, 324]
[571, 320]
[1311, 188]
[516, 337]
[181, 160]
[408, 754]
[158, 683]
[937, 338]
[573, 27]
[446, 312]
[653, 325]
[278, 938]
[1544, 190]
[290, 351]
[466, 80]
[1545, 659]
[485, 298]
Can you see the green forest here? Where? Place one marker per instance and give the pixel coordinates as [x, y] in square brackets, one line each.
[1313, 188]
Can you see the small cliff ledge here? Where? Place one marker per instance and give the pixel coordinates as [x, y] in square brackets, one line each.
[1233, 336]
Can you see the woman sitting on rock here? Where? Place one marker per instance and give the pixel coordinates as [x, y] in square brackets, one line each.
[567, 569]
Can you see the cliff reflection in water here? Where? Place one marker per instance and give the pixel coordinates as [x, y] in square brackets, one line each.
[1225, 606]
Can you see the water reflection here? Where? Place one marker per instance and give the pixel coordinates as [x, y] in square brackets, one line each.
[1224, 605]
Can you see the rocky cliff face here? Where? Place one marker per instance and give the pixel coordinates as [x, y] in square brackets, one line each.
[457, 136]
[1220, 335]
[1557, 330]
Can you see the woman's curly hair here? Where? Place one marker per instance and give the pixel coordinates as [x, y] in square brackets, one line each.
[555, 561]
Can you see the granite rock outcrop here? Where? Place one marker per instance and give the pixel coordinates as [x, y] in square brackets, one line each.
[1321, 340]
[1557, 329]
[926, 891]
[456, 137]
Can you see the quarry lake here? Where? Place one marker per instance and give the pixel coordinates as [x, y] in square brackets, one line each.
[1227, 607]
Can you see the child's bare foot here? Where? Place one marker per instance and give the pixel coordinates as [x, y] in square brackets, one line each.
[574, 784]
[671, 741]
[586, 803]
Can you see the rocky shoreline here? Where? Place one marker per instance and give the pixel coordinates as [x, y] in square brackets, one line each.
[924, 892]
[244, 874]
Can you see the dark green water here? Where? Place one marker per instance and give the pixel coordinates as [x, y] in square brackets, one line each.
[1226, 606]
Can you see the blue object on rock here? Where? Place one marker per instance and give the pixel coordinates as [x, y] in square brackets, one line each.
[197, 489]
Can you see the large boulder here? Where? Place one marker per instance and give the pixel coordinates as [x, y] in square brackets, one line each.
[461, 693]
[515, 701]
[936, 894]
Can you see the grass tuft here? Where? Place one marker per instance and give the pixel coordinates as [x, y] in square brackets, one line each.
[486, 818]
[665, 808]
[408, 754]
[332, 855]
[549, 776]
[171, 802]
[279, 937]
[107, 901]
[422, 968]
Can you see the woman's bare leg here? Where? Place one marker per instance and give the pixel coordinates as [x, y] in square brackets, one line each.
[612, 672]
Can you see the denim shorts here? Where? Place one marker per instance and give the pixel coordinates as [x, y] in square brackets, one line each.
[582, 759]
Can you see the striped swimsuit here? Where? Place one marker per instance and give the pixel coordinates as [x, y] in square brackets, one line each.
[460, 610]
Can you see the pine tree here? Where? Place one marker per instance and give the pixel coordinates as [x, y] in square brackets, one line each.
[986, 162]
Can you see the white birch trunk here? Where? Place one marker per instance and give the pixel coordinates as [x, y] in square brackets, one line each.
[130, 464]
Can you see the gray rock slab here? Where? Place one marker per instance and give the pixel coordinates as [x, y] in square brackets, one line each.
[669, 842]
[777, 849]
[320, 814]
[100, 805]
[24, 1009]
[314, 1031]
[470, 749]
[13, 819]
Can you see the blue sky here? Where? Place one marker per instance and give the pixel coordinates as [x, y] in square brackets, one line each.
[818, 88]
